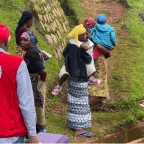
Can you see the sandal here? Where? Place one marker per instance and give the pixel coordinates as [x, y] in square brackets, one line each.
[85, 134]
[93, 80]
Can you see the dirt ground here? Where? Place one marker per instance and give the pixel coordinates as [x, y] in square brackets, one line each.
[114, 11]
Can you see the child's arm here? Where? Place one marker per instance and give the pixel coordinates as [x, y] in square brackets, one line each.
[104, 50]
[113, 38]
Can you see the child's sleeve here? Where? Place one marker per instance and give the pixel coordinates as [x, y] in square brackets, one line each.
[113, 37]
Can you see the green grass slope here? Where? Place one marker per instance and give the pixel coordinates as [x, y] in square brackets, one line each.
[127, 75]
[10, 13]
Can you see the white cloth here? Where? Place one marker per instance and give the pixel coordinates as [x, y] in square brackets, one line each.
[90, 51]
[90, 67]
[90, 70]
[88, 43]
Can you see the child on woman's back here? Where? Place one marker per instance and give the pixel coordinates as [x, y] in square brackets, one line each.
[103, 34]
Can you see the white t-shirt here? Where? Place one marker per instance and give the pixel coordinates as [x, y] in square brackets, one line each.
[88, 43]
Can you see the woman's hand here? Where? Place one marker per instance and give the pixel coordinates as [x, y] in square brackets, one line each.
[33, 139]
[84, 46]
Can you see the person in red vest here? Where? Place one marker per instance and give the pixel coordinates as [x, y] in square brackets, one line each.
[17, 112]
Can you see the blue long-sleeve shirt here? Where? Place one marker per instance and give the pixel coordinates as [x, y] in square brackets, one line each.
[103, 34]
[26, 101]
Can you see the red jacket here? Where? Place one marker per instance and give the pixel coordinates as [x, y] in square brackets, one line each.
[11, 120]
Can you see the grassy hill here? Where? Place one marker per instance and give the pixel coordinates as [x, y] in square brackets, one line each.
[126, 80]
[10, 13]
[127, 64]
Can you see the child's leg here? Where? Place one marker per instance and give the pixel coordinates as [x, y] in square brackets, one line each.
[102, 72]
[63, 76]
[63, 79]
[91, 74]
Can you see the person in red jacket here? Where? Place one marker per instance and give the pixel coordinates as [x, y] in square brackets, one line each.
[17, 112]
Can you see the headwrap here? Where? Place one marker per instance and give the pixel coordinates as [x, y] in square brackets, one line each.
[27, 15]
[101, 19]
[89, 22]
[4, 33]
[30, 36]
[78, 30]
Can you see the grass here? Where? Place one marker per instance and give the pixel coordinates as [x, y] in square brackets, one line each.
[73, 11]
[79, 13]
[127, 74]
[134, 49]
[126, 80]
[10, 14]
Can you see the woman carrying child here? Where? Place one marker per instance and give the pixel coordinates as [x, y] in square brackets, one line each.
[104, 37]
[76, 58]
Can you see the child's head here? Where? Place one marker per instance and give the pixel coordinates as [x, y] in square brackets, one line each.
[101, 19]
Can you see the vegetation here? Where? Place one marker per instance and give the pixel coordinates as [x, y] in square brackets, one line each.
[127, 74]
[126, 81]
[10, 14]
[73, 11]
[126, 77]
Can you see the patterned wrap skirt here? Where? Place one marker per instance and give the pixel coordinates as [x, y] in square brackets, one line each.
[39, 90]
[79, 114]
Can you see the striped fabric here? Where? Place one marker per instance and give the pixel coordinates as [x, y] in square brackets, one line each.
[39, 90]
[79, 115]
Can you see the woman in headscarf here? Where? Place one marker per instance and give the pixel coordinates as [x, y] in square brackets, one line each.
[63, 75]
[89, 22]
[79, 115]
[100, 54]
[38, 74]
[24, 24]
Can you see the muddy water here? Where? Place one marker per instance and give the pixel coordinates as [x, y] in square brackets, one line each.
[126, 135]
[135, 133]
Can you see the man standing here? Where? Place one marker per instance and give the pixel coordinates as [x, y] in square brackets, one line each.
[17, 112]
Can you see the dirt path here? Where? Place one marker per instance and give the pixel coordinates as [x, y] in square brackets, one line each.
[114, 11]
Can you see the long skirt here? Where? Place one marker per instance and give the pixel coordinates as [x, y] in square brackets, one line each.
[101, 90]
[79, 114]
[39, 90]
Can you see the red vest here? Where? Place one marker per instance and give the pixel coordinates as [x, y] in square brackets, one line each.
[11, 120]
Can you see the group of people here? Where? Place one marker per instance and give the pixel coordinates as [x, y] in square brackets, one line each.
[23, 81]
[87, 42]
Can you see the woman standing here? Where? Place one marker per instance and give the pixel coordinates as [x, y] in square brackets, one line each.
[79, 115]
[100, 54]
[24, 25]
[38, 74]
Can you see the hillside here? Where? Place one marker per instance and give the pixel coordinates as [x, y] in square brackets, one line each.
[125, 67]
